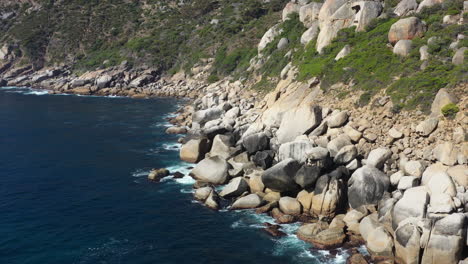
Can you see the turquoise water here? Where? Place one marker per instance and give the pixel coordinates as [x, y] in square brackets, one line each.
[73, 189]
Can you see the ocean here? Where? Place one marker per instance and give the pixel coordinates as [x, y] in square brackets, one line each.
[73, 189]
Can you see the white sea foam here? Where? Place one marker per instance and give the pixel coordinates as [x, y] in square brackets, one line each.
[36, 92]
[172, 146]
[140, 173]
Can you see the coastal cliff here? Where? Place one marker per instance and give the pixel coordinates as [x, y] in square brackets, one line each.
[347, 116]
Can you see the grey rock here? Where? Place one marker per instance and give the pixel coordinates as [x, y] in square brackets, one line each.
[280, 177]
[213, 170]
[235, 188]
[378, 157]
[366, 186]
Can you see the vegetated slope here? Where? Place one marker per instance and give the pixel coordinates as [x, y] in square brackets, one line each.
[171, 36]
[160, 34]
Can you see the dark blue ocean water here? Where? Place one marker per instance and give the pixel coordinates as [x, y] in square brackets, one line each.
[73, 189]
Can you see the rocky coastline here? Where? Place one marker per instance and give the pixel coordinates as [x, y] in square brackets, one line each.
[394, 182]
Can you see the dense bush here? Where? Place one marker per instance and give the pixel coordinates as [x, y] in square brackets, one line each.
[450, 110]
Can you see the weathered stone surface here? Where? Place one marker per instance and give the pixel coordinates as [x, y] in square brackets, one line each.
[412, 204]
[459, 56]
[280, 177]
[406, 28]
[338, 119]
[367, 185]
[378, 157]
[298, 121]
[424, 53]
[255, 142]
[441, 182]
[446, 153]
[343, 52]
[222, 145]
[308, 231]
[327, 196]
[282, 44]
[414, 168]
[368, 224]
[212, 201]
[337, 143]
[213, 170]
[329, 238]
[459, 174]
[247, 202]
[310, 33]
[402, 47]
[346, 155]
[203, 116]
[405, 6]
[407, 242]
[235, 188]
[307, 175]
[407, 182]
[305, 198]
[447, 240]
[264, 159]
[295, 150]
[282, 218]
[289, 9]
[380, 244]
[269, 36]
[194, 150]
[290, 206]
[308, 14]
[442, 99]
[202, 194]
[427, 3]
[158, 174]
[426, 127]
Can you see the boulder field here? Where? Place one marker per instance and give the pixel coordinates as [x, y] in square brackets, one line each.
[380, 180]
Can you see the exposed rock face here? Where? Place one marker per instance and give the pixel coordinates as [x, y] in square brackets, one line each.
[378, 157]
[327, 196]
[203, 116]
[335, 145]
[235, 188]
[329, 238]
[255, 142]
[202, 194]
[334, 16]
[406, 28]
[380, 244]
[413, 204]
[442, 99]
[459, 56]
[295, 150]
[459, 174]
[402, 47]
[308, 14]
[447, 240]
[307, 175]
[367, 186]
[158, 174]
[269, 36]
[407, 242]
[446, 153]
[298, 121]
[366, 12]
[405, 6]
[247, 202]
[310, 33]
[368, 224]
[428, 3]
[194, 150]
[426, 127]
[280, 177]
[289, 9]
[264, 159]
[103, 81]
[213, 170]
[343, 52]
[222, 145]
[283, 43]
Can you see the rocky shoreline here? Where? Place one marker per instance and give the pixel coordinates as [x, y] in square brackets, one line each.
[395, 182]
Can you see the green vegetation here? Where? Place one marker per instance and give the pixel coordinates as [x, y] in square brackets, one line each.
[450, 110]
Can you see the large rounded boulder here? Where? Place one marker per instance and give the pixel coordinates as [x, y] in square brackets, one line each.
[212, 170]
[280, 177]
[367, 185]
[407, 28]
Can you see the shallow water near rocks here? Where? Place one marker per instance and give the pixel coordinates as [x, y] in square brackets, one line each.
[73, 189]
